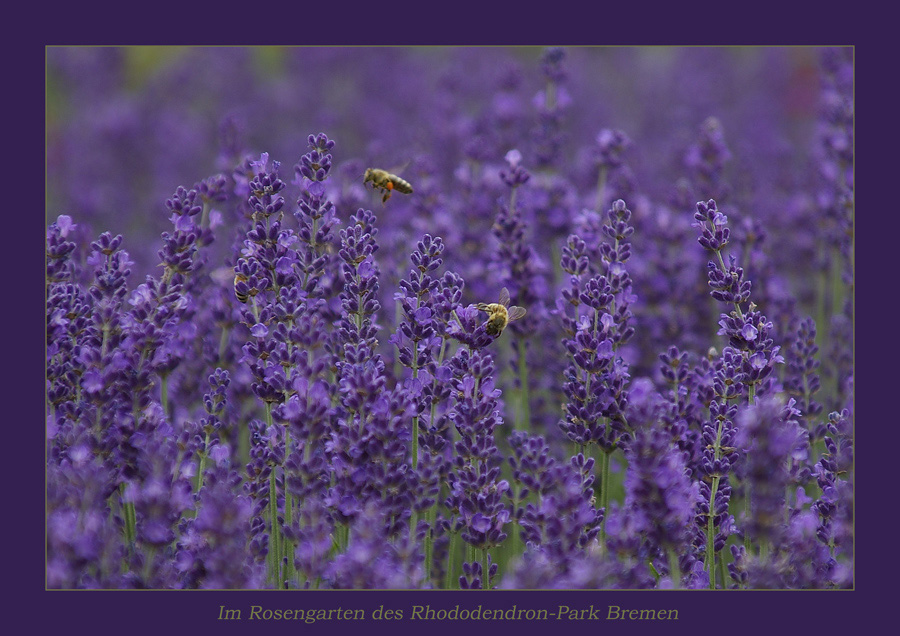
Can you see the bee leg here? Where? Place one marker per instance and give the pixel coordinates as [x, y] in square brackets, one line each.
[387, 195]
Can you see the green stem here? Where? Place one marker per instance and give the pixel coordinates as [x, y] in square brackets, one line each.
[837, 285]
[747, 495]
[710, 519]
[711, 534]
[243, 441]
[288, 514]
[558, 273]
[274, 546]
[398, 366]
[413, 525]
[164, 393]
[824, 302]
[149, 554]
[415, 442]
[674, 568]
[451, 561]
[204, 215]
[737, 307]
[515, 544]
[485, 571]
[274, 530]
[202, 466]
[104, 342]
[722, 572]
[601, 189]
[523, 422]
[428, 547]
[128, 518]
[747, 512]
[604, 493]
[338, 540]
[132, 524]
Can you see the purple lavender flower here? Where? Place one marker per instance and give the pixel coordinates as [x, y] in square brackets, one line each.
[592, 355]
[274, 311]
[68, 330]
[706, 160]
[257, 487]
[371, 561]
[559, 520]
[156, 491]
[316, 215]
[417, 327]
[436, 437]
[421, 349]
[614, 255]
[476, 490]
[360, 277]
[84, 550]
[609, 162]
[368, 445]
[802, 381]
[123, 352]
[769, 433]
[596, 379]
[747, 332]
[714, 522]
[835, 202]
[798, 564]
[661, 498]
[551, 103]
[521, 270]
[213, 548]
[834, 509]
[683, 411]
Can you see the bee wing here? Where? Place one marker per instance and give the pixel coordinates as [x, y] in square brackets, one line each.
[504, 297]
[515, 312]
[399, 169]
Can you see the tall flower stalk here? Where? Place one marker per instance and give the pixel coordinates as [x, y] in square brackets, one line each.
[520, 272]
[476, 490]
[745, 373]
[597, 410]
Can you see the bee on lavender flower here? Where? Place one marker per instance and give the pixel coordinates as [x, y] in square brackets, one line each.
[240, 278]
[386, 182]
[500, 313]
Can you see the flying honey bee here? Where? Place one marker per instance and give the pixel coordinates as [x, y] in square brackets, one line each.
[500, 313]
[387, 182]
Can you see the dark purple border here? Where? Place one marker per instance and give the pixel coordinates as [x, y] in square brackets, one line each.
[137, 613]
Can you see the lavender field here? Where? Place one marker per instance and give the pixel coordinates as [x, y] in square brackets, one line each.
[264, 372]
